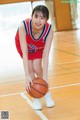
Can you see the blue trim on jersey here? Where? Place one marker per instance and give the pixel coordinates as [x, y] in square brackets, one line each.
[31, 32]
[47, 33]
[25, 27]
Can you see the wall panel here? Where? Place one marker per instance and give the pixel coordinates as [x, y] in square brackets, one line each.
[62, 15]
[14, 1]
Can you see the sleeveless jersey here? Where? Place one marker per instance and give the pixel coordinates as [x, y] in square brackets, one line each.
[35, 46]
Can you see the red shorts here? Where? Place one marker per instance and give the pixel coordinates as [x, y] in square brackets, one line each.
[34, 55]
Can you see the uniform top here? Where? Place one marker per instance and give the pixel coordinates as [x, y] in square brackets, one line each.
[34, 45]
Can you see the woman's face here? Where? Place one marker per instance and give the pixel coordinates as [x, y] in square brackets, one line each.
[38, 20]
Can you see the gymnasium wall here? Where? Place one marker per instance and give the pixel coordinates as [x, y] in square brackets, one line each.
[62, 15]
[14, 1]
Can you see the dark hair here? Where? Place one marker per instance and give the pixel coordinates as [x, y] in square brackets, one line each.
[43, 9]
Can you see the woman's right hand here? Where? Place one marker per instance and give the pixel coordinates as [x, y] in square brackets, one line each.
[28, 82]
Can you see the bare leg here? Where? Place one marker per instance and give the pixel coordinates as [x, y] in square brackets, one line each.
[38, 71]
[31, 70]
[37, 65]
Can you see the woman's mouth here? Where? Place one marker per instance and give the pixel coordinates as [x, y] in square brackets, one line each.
[38, 25]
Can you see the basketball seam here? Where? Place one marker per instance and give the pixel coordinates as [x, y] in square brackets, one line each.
[40, 84]
[37, 90]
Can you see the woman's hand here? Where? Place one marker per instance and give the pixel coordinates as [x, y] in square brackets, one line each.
[46, 82]
[28, 82]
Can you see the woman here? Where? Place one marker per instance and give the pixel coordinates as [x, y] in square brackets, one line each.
[33, 42]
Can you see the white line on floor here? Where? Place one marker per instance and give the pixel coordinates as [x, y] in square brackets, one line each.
[64, 86]
[7, 95]
[56, 87]
[40, 114]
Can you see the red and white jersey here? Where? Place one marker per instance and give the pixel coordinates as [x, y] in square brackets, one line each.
[34, 45]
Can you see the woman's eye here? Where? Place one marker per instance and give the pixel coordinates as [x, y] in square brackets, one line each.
[42, 18]
[36, 16]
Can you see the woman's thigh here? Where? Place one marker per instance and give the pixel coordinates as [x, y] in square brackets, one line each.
[37, 65]
[31, 69]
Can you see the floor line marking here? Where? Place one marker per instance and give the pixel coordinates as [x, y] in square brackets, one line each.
[55, 87]
[40, 114]
[64, 86]
[6, 95]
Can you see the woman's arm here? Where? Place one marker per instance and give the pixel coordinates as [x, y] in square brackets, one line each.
[22, 36]
[46, 54]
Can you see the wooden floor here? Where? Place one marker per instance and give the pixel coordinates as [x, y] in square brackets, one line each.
[64, 80]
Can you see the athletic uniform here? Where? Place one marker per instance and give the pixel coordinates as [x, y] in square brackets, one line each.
[35, 46]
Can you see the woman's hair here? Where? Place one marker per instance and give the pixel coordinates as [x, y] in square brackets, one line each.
[43, 9]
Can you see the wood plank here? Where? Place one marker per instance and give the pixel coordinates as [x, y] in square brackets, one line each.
[67, 106]
[19, 109]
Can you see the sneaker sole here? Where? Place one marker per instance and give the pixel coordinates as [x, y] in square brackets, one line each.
[50, 106]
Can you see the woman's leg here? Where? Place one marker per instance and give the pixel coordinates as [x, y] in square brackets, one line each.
[31, 70]
[38, 71]
[37, 65]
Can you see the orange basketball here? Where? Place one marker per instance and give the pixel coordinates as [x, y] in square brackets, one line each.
[39, 88]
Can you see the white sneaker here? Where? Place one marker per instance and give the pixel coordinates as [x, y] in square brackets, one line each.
[49, 101]
[37, 104]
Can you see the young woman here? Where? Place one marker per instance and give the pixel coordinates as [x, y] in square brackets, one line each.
[33, 42]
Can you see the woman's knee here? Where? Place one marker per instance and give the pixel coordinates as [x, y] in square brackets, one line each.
[38, 70]
[37, 67]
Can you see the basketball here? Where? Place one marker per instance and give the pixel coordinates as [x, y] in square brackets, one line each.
[39, 88]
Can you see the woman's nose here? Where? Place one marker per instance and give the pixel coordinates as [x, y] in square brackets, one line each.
[38, 19]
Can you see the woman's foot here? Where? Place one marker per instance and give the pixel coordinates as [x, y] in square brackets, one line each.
[49, 101]
[37, 104]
